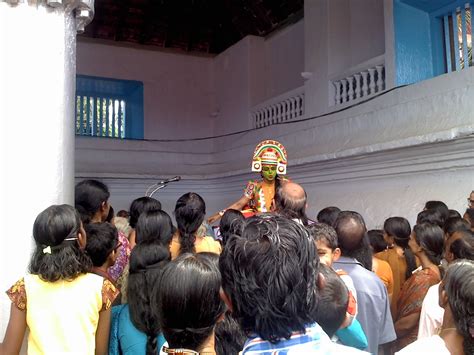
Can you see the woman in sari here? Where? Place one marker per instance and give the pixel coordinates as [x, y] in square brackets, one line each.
[426, 242]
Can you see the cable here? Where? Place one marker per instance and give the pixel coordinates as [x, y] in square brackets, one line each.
[275, 124]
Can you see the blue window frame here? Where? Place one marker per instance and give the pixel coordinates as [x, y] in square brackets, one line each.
[109, 107]
[432, 37]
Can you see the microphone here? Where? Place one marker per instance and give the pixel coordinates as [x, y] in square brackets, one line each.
[173, 179]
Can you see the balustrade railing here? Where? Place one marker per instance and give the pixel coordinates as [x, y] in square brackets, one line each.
[286, 107]
[359, 82]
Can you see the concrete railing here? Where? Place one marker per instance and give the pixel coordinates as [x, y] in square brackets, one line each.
[359, 82]
[286, 107]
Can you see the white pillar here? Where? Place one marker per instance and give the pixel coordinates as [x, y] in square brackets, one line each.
[37, 94]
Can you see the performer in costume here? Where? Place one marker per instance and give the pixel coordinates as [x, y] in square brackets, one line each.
[270, 160]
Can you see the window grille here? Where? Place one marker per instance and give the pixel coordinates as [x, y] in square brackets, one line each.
[457, 27]
[109, 107]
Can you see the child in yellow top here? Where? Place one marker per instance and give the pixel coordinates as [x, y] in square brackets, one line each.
[66, 308]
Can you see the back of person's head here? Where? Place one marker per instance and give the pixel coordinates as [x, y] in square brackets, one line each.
[430, 216]
[333, 301]
[146, 265]
[189, 213]
[377, 242]
[458, 283]
[469, 216]
[453, 214]
[57, 255]
[230, 223]
[89, 197]
[154, 226]
[230, 339]
[439, 206]
[455, 224]
[123, 214]
[290, 201]
[270, 274]
[350, 228]
[322, 232]
[102, 240]
[398, 229]
[352, 237]
[430, 238]
[141, 205]
[460, 246]
[189, 304]
[328, 215]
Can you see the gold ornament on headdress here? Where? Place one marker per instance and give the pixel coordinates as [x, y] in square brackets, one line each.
[270, 152]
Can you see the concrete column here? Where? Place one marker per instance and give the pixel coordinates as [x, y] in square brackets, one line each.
[37, 94]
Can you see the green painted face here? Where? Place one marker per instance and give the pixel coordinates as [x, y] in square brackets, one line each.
[269, 172]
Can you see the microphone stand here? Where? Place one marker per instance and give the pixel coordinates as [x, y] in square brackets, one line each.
[159, 186]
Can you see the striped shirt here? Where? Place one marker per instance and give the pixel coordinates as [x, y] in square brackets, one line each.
[313, 341]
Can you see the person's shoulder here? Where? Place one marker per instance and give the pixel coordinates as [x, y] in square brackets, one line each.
[383, 255]
[366, 281]
[384, 266]
[434, 344]
[343, 349]
[212, 244]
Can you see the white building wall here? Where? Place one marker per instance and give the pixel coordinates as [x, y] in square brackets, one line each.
[178, 90]
[412, 144]
[284, 61]
[384, 157]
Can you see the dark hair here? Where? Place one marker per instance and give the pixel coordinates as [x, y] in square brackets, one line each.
[454, 213]
[56, 228]
[459, 285]
[462, 247]
[102, 239]
[455, 224]
[328, 215]
[352, 237]
[111, 215]
[230, 223]
[89, 196]
[230, 339]
[325, 233]
[399, 229]
[333, 301]
[439, 206]
[430, 216]
[141, 205]
[291, 207]
[430, 238]
[188, 300]
[470, 214]
[377, 241]
[123, 214]
[154, 226]
[146, 264]
[269, 273]
[189, 213]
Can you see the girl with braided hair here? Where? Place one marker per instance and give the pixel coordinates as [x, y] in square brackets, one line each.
[190, 237]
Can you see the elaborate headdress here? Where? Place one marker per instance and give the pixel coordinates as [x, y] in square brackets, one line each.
[270, 152]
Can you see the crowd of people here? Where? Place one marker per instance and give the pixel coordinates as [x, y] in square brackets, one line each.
[276, 282]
